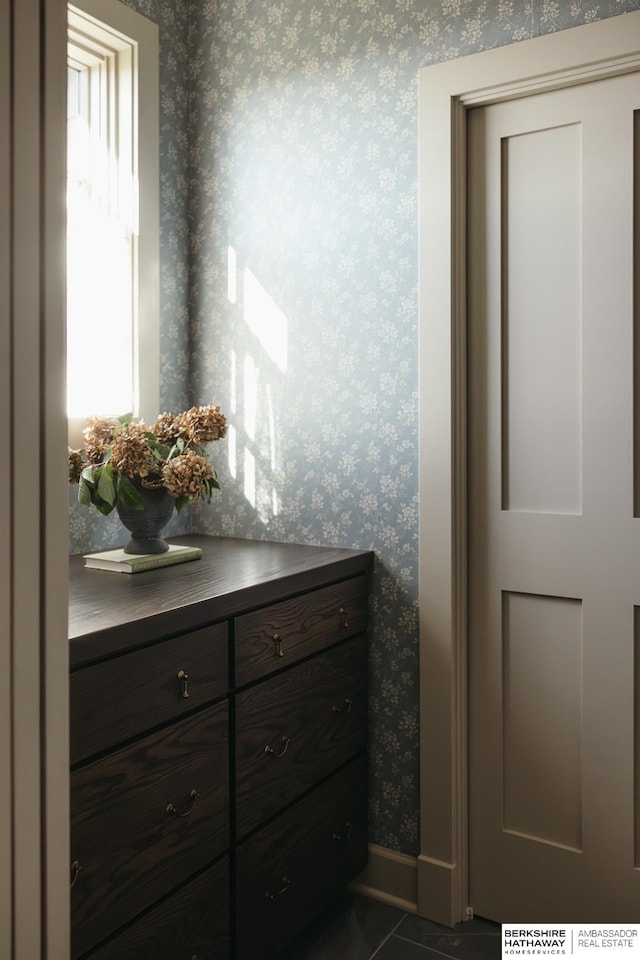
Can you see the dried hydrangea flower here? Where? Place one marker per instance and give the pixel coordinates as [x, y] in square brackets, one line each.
[128, 448]
[131, 452]
[200, 425]
[98, 435]
[187, 475]
[76, 465]
[166, 429]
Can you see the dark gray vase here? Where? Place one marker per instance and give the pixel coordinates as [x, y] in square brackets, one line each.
[146, 525]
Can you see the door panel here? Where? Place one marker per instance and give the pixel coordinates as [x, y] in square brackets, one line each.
[541, 224]
[537, 631]
[554, 572]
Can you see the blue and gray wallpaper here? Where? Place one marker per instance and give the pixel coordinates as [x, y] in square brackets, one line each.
[289, 289]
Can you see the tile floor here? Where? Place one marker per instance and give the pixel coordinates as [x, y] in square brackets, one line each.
[356, 928]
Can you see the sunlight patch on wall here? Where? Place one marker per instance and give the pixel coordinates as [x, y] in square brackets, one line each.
[272, 449]
[272, 427]
[250, 477]
[266, 320]
[256, 366]
[232, 447]
[250, 396]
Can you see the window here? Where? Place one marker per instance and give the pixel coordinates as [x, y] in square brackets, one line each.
[112, 212]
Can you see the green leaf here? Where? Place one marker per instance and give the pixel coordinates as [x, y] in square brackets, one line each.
[163, 452]
[89, 474]
[94, 497]
[106, 487]
[104, 508]
[152, 440]
[128, 493]
[84, 493]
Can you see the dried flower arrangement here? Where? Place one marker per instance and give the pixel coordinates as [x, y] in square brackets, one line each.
[120, 454]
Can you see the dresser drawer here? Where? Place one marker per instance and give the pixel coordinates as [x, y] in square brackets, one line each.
[194, 922]
[121, 698]
[283, 633]
[144, 819]
[296, 728]
[289, 870]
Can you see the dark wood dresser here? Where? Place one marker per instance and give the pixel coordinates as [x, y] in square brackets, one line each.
[218, 749]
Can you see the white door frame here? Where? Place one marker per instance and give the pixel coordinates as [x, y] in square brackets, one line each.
[34, 754]
[591, 52]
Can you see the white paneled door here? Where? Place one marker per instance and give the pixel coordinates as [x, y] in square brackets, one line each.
[554, 500]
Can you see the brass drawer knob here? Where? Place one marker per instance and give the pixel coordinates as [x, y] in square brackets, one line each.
[194, 796]
[278, 650]
[285, 746]
[285, 883]
[76, 869]
[345, 709]
[346, 833]
[345, 617]
[183, 677]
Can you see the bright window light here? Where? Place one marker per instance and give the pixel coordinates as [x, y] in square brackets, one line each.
[112, 215]
[100, 257]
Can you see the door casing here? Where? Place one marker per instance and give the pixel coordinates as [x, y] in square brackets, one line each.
[34, 663]
[447, 90]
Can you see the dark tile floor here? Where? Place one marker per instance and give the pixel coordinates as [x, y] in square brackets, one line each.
[356, 928]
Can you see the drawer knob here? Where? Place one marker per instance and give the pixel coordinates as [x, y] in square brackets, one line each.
[76, 869]
[345, 835]
[183, 677]
[277, 645]
[345, 708]
[194, 796]
[345, 617]
[285, 883]
[285, 746]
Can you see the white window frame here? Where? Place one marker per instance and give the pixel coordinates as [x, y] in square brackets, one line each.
[93, 27]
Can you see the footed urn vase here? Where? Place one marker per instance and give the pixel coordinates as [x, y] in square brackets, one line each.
[147, 523]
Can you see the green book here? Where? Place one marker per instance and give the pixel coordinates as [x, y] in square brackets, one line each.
[117, 561]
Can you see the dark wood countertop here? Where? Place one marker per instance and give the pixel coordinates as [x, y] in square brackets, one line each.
[112, 612]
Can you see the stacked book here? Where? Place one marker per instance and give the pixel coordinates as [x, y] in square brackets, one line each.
[118, 561]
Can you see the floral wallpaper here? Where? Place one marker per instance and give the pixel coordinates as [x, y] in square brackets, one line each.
[289, 288]
[304, 294]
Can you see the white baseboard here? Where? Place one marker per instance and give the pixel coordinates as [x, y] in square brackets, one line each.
[439, 891]
[389, 877]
